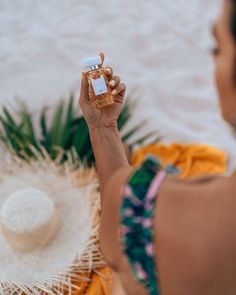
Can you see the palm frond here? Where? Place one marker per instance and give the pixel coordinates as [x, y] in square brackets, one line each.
[66, 130]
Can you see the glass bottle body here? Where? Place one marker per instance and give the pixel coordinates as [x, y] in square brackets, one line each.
[99, 90]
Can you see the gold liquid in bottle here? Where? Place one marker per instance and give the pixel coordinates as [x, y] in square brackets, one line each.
[99, 90]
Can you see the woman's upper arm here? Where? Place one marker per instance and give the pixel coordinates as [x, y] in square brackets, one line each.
[109, 239]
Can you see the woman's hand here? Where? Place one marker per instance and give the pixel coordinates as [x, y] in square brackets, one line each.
[107, 116]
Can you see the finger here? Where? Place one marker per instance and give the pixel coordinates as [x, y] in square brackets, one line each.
[119, 89]
[115, 80]
[102, 55]
[119, 99]
[84, 88]
[108, 72]
[90, 92]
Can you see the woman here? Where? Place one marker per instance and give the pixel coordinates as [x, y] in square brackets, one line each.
[194, 224]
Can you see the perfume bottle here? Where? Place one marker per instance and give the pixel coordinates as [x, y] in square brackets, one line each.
[100, 92]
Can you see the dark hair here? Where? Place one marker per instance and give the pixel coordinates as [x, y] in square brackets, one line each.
[233, 20]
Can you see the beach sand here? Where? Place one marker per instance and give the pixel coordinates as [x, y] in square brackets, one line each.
[158, 47]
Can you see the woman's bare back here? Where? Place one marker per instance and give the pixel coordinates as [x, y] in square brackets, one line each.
[196, 238]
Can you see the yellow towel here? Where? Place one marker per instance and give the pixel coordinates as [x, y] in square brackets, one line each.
[100, 283]
[193, 160]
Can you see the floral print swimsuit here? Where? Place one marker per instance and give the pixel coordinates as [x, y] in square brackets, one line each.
[136, 220]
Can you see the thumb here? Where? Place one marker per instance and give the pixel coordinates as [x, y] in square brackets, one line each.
[84, 90]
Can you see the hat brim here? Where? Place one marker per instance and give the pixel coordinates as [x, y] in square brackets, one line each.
[77, 235]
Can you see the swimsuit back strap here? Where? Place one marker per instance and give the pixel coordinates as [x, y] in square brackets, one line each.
[137, 223]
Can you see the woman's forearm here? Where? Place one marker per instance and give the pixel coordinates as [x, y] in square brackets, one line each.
[109, 153]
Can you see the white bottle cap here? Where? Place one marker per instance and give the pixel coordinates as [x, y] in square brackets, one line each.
[92, 61]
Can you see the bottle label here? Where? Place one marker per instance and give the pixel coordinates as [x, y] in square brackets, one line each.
[99, 86]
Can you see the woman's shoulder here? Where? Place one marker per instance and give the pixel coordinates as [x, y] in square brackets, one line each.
[176, 189]
[172, 189]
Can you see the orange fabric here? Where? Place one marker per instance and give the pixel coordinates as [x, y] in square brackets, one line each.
[192, 159]
[99, 283]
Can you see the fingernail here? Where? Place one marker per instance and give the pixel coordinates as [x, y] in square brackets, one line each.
[114, 91]
[112, 83]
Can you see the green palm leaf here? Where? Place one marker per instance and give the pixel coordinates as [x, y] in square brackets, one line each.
[66, 131]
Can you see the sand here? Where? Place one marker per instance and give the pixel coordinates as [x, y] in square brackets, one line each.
[159, 47]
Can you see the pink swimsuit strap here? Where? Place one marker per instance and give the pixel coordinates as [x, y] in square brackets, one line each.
[155, 184]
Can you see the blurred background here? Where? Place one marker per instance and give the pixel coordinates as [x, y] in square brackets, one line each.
[160, 48]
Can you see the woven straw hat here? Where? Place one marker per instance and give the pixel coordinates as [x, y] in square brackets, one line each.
[48, 227]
